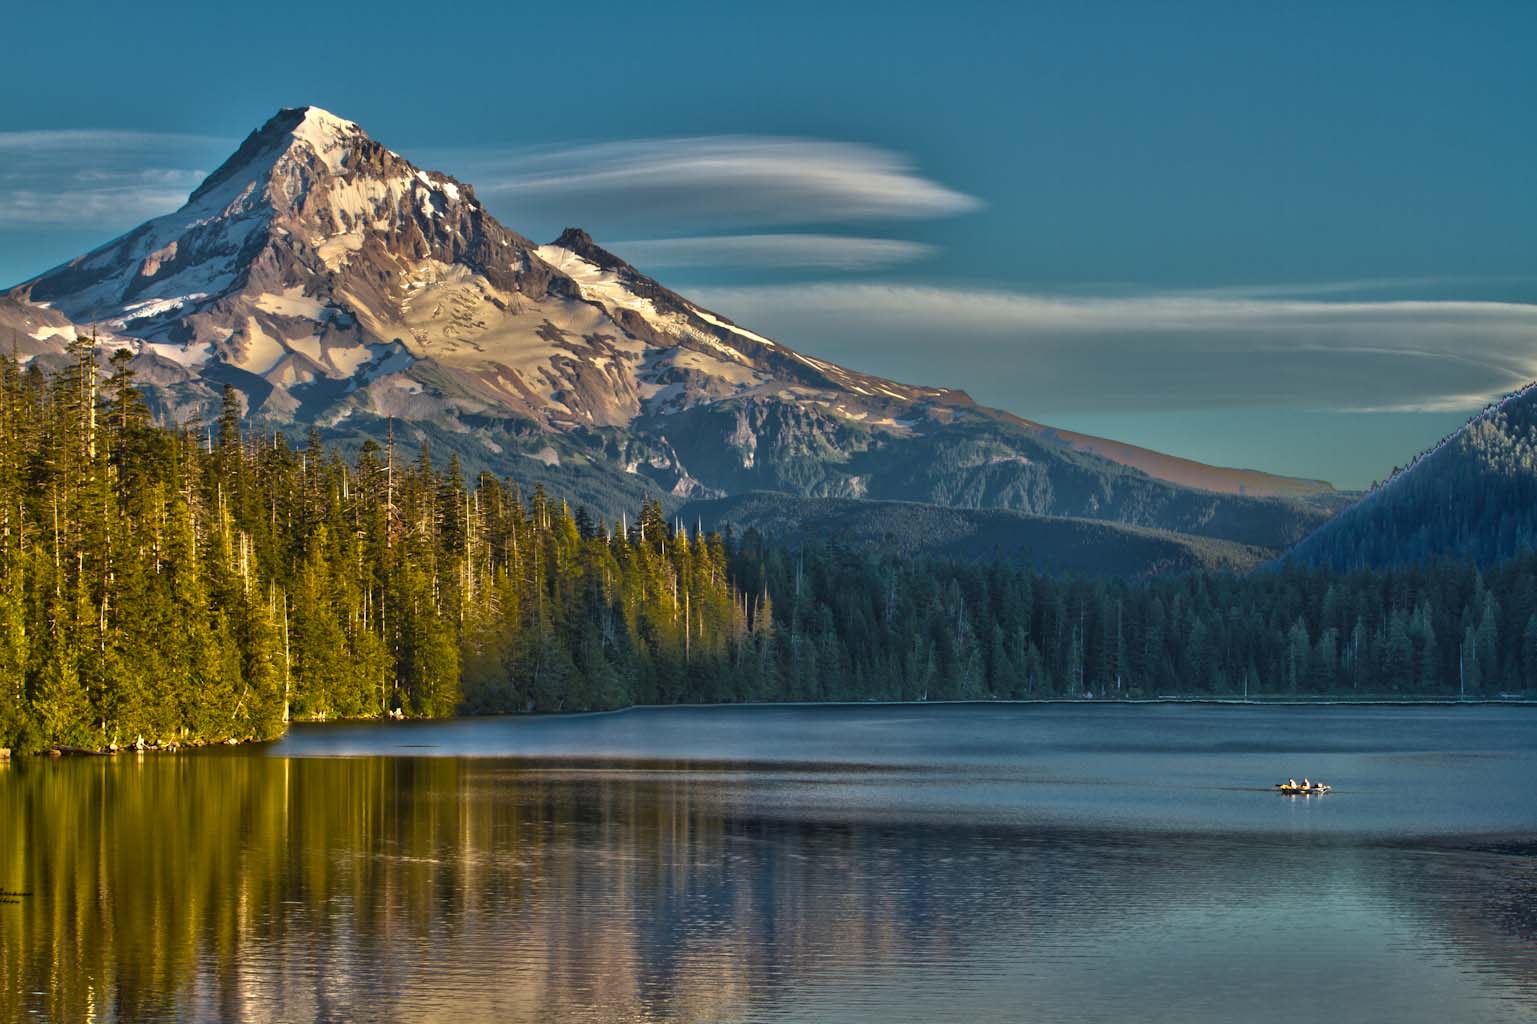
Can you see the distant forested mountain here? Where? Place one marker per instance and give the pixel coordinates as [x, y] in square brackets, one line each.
[1048, 544]
[1473, 497]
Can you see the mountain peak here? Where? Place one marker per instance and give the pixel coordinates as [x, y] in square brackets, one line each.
[297, 120]
[580, 242]
[314, 115]
[328, 135]
[330, 138]
[574, 239]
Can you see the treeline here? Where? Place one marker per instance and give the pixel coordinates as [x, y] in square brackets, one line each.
[890, 628]
[166, 587]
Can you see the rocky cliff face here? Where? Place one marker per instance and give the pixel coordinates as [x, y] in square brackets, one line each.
[334, 284]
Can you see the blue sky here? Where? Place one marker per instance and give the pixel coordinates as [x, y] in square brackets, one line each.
[1296, 237]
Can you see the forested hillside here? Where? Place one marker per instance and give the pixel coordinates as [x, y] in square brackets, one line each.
[175, 586]
[1471, 497]
[1049, 544]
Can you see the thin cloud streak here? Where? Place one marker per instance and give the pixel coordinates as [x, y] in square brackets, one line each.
[721, 182]
[1362, 284]
[1162, 352]
[106, 179]
[62, 140]
[807, 251]
[1013, 312]
[83, 207]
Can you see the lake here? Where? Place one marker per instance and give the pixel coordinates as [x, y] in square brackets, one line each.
[1053, 863]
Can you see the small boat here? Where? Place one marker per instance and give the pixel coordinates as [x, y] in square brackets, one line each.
[1301, 790]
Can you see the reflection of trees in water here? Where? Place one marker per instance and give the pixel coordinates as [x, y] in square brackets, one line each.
[1482, 894]
[248, 888]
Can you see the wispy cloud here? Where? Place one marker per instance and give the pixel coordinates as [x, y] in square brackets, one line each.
[45, 141]
[106, 179]
[98, 197]
[808, 251]
[1362, 286]
[1031, 352]
[718, 182]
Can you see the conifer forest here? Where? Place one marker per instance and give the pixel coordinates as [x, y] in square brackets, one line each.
[166, 587]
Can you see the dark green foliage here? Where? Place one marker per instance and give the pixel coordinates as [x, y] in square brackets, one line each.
[203, 586]
[897, 628]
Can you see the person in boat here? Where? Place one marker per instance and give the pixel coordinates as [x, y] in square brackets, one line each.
[1306, 784]
[1291, 783]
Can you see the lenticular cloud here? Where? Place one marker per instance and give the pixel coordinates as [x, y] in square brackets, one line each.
[822, 252]
[721, 181]
[1058, 353]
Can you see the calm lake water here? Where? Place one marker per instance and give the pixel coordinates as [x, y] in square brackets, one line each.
[1050, 863]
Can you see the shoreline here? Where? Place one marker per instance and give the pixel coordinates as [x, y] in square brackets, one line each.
[1170, 699]
[1084, 701]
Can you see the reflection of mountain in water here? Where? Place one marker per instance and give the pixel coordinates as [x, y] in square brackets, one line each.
[239, 887]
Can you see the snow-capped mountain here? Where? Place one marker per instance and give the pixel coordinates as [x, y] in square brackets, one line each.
[335, 284]
[315, 257]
